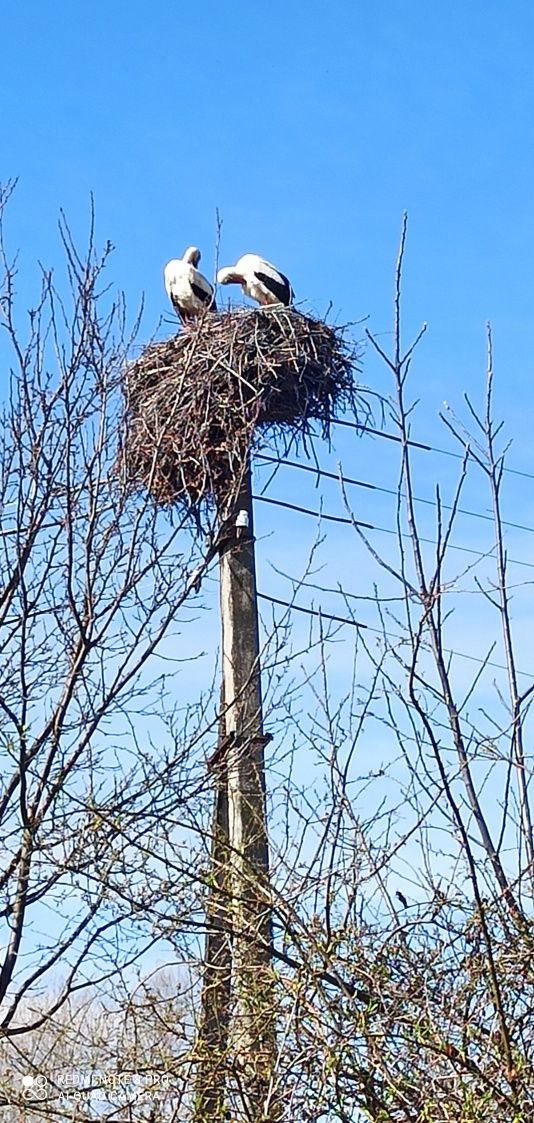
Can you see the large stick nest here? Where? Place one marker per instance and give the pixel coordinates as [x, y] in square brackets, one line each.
[197, 402]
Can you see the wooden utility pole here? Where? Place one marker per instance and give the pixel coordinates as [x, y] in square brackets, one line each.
[238, 1014]
[252, 1033]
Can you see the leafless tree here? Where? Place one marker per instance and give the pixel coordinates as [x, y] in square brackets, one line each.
[406, 942]
[111, 1057]
[399, 808]
[98, 772]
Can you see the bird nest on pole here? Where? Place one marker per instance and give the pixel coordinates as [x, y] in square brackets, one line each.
[195, 404]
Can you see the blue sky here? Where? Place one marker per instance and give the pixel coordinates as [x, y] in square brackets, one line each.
[310, 127]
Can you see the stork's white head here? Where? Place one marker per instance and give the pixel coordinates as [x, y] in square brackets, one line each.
[192, 256]
[229, 276]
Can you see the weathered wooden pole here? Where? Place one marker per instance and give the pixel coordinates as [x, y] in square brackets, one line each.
[237, 980]
[252, 1034]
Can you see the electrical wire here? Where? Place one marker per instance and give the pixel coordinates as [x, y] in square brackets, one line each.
[321, 473]
[389, 436]
[319, 614]
[381, 529]
[318, 514]
[340, 477]
[419, 444]
[315, 612]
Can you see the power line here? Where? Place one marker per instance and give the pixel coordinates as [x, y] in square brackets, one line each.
[387, 490]
[315, 612]
[388, 436]
[319, 614]
[306, 511]
[419, 444]
[382, 529]
[339, 591]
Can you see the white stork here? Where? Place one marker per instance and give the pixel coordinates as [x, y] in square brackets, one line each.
[188, 291]
[258, 279]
